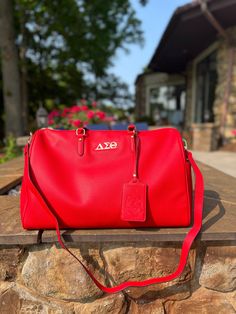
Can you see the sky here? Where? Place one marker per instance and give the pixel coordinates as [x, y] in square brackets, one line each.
[155, 17]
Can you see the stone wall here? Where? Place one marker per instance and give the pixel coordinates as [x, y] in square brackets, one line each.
[205, 137]
[140, 97]
[45, 279]
[223, 59]
[223, 56]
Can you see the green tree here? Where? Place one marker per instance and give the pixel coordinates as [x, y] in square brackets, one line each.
[73, 44]
[10, 73]
[67, 47]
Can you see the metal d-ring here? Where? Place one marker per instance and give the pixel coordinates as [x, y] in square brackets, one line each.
[185, 143]
[83, 133]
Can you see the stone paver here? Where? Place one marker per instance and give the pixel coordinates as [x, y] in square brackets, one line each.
[223, 161]
[11, 174]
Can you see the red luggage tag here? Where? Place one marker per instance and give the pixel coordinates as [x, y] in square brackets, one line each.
[134, 201]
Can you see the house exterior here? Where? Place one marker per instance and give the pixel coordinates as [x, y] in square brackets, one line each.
[190, 81]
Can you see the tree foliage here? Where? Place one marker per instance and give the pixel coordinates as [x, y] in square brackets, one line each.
[66, 49]
[69, 45]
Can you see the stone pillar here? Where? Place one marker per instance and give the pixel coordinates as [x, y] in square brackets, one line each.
[205, 136]
[188, 116]
[140, 97]
[223, 60]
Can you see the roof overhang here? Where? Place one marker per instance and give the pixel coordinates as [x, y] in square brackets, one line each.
[189, 32]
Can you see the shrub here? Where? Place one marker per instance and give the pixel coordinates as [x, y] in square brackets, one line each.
[78, 115]
[10, 150]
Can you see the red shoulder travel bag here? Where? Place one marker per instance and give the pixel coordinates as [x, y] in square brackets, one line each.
[111, 179]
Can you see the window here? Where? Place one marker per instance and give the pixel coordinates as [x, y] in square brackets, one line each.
[167, 103]
[206, 80]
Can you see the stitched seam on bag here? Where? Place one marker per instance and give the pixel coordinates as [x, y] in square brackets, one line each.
[185, 171]
[27, 201]
[26, 208]
[186, 178]
[32, 142]
[29, 153]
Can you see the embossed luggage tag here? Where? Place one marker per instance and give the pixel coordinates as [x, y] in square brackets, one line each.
[134, 201]
[134, 192]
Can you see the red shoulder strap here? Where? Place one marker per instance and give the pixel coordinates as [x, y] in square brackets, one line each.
[198, 205]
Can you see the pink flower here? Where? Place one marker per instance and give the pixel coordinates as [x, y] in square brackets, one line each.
[53, 114]
[65, 112]
[84, 108]
[76, 123]
[101, 115]
[75, 109]
[234, 132]
[110, 119]
[94, 104]
[51, 121]
[70, 115]
[90, 114]
[83, 101]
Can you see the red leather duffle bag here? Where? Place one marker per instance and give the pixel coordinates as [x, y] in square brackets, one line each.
[111, 179]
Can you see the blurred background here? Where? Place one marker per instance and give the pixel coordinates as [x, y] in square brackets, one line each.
[105, 64]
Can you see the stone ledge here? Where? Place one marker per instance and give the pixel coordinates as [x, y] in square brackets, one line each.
[11, 173]
[207, 284]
